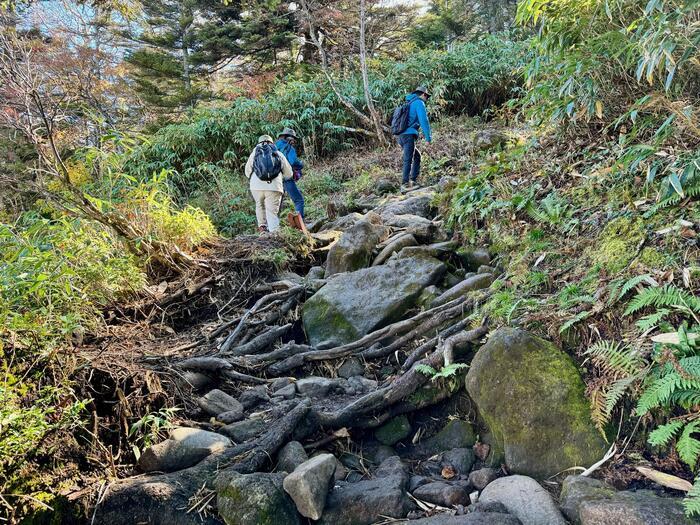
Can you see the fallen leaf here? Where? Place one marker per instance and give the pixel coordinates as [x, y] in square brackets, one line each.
[448, 472]
[672, 338]
[481, 450]
[667, 480]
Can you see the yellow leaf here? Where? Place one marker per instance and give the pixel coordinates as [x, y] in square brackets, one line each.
[599, 109]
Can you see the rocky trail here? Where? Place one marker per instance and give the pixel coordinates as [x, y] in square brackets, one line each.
[367, 391]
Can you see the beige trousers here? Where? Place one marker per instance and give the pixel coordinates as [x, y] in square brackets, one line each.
[267, 206]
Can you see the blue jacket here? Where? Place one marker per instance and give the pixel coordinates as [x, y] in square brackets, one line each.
[417, 116]
[288, 151]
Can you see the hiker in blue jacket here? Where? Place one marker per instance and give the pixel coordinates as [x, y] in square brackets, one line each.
[285, 143]
[417, 117]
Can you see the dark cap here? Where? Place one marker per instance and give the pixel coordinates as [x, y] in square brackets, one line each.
[422, 90]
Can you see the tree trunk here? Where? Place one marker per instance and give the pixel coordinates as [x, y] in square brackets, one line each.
[365, 76]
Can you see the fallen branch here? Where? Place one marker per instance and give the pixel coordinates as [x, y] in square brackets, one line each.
[219, 366]
[260, 342]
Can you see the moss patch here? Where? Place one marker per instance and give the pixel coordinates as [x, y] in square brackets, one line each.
[618, 242]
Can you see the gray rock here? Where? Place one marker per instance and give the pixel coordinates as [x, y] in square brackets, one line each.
[245, 430]
[532, 398]
[254, 499]
[472, 258]
[252, 397]
[343, 223]
[351, 367]
[451, 280]
[196, 380]
[216, 402]
[315, 273]
[362, 384]
[341, 473]
[482, 477]
[411, 205]
[385, 185]
[185, 447]
[485, 268]
[417, 481]
[291, 456]
[380, 454]
[470, 284]
[393, 431]
[456, 434]
[314, 387]
[491, 506]
[230, 416]
[525, 499]
[280, 382]
[442, 493]
[367, 501]
[438, 250]
[588, 501]
[392, 466]
[427, 296]
[473, 518]
[461, 459]
[486, 139]
[356, 303]
[354, 248]
[308, 485]
[287, 392]
[393, 247]
[422, 229]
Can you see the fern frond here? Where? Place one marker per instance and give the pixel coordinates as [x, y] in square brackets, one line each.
[598, 416]
[662, 435]
[668, 295]
[615, 358]
[691, 502]
[661, 390]
[686, 398]
[627, 286]
[426, 370]
[616, 391]
[687, 446]
[575, 319]
[651, 321]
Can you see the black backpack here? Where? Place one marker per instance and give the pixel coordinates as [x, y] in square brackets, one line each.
[267, 164]
[399, 120]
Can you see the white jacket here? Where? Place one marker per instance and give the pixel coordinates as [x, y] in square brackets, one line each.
[276, 184]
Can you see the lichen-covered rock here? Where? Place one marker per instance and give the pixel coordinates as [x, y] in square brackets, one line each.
[531, 396]
[412, 205]
[587, 501]
[393, 430]
[353, 304]
[472, 258]
[354, 248]
[185, 447]
[254, 499]
[308, 484]
[245, 430]
[342, 223]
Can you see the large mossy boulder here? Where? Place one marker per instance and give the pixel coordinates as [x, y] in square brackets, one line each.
[355, 303]
[531, 396]
[354, 248]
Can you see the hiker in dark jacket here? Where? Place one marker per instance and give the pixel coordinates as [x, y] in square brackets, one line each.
[285, 143]
[417, 117]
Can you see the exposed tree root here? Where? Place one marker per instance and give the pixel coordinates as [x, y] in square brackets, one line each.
[163, 498]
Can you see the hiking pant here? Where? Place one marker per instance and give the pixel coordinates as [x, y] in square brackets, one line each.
[290, 186]
[267, 206]
[411, 157]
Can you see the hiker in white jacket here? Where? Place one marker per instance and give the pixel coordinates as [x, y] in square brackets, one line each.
[267, 195]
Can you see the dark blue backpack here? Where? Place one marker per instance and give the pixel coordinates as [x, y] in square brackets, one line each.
[267, 164]
[399, 120]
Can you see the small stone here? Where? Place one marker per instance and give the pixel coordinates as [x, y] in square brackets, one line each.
[474, 257]
[230, 416]
[308, 485]
[287, 392]
[291, 456]
[279, 383]
[362, 384]
[417, 481]
[197, 380]
[246, 430]
[315, 273]
[314, 387]
[381, 453]
[393, 430]
[525, 499]
[391, 466]
[351, 367]
[340, 471]
[442, 493]
[482, 477]
[184, 448]
[253, 397]
[461, 459]
[216, 402]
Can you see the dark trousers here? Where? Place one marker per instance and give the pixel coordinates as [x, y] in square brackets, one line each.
[411, 157]
[290, 187]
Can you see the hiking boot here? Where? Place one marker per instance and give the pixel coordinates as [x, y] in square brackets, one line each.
[415, 185]
[406, 187]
